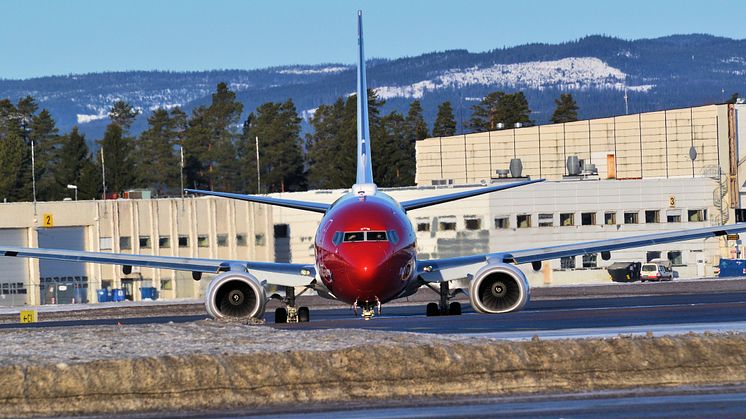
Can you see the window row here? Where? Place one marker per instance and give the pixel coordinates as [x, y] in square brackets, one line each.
[591, 260]
[164, 242]
[589, 218]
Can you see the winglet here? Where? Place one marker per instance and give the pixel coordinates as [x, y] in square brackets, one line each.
[364, 166]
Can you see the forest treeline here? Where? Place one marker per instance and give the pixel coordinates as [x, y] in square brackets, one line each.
[214, 149]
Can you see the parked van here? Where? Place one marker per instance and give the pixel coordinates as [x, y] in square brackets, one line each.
[656, 270]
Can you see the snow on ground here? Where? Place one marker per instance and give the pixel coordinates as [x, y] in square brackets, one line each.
[324, 70]
[574, 73]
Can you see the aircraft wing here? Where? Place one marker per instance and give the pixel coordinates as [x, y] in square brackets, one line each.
[448, 269]
[284, 274]
[280, 202]
[434, 200]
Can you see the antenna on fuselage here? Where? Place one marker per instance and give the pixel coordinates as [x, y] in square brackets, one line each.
[364, 167]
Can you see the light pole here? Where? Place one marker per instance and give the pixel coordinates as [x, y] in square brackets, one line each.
[26, 130]
[75, 187]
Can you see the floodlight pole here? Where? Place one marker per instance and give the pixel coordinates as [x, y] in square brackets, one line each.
[26, 130]
[103, 172]
[258, 173]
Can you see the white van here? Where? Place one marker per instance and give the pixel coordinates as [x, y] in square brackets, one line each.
[656, 270]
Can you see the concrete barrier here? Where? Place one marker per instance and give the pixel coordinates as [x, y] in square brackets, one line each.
[398, 366]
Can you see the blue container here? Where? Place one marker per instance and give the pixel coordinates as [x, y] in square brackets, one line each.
[148, 293]
[117, 295]
[732, 267]
[103, 295]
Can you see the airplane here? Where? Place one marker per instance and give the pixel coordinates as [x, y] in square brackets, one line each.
[365, 252]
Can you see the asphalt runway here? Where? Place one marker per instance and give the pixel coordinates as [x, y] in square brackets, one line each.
[568, 317]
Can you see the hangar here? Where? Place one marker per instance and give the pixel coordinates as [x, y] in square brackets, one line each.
[630, 174]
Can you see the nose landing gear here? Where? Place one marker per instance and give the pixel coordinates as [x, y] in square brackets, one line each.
[368, 309]
[444, 308]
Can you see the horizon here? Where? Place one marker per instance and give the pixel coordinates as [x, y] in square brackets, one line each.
[352, 64]
[191, 36]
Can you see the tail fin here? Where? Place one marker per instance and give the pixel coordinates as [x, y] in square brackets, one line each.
[364, 167]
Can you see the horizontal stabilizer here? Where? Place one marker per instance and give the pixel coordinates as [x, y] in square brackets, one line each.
[435, 200]
[288, 203]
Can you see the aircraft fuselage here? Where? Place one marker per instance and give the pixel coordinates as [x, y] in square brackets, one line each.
[365, 249]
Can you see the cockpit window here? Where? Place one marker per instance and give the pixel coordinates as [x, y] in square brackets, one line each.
[337, 239]
[393, 236]
[356, 236]
[379, 236]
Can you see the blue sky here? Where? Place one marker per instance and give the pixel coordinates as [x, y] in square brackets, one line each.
[48, 37]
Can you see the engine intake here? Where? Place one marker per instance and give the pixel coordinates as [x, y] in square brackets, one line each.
[237, 295]
[498, 288]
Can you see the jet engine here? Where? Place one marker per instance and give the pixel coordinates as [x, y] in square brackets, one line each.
[498, 288]
[236, 295]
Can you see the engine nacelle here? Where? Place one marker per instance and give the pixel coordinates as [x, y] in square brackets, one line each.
[237, 295]
[498, 288]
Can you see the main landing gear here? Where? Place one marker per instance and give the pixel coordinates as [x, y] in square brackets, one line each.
[290, 313]
[443, 308]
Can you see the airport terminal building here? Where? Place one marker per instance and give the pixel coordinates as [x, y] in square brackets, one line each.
[608, 177]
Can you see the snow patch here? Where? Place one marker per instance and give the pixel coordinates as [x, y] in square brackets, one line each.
[308, 113]
[323, 70]
[84, 119]
[574, 73]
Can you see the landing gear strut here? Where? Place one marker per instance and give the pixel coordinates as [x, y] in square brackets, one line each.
[290, 313]
[443, 308]
[368, 309]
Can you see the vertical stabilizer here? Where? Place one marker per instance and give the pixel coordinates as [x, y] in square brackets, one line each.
[364, 167]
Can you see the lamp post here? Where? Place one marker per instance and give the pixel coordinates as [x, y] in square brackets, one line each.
[75, 187]
[26, 130]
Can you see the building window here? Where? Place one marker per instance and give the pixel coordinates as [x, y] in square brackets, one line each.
[164, 242]
[259, 239]
[222, 240]
[567, 219]
[523, 220]
[590, 260]
[203, 241]
[546, 220]
[104, 243]
[502, 223]
[166, 285]
[697, 215]
[673, 217]
[610, 218]
[588, 218]
[125, 243]
[676, 258]
[567, 262]
[447, 225]
[652, 255]
[282, 231]
[630, 217]
[423, 226]
[183, 241]
[652, 216]
[144, 242]
[240, 239]
[472, 223]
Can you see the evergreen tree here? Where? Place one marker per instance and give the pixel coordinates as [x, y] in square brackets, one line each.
[733, 99]
[11, 156]
[445, 122]
[332, 147]
[89, 184]
[209, 143]
[499, 107]
[416, 126]
[72, 157]
[117, 159]
[123, 114]
[396, 166]
[160, 170]
[46, 139]
[277, 125]
[566, 109]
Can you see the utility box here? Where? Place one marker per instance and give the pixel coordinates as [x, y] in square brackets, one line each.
[732, 267]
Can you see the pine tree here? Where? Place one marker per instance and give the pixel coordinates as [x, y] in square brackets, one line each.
[11, 156]
[277, 125]
[445, 122]
[733, 99]
[72, 158]
[117, 159]
[160, 170]
[500, 108]
[89, 184]
[566, 109]
[415, 123]
[123, 114]
[46, 139]
[396, 166]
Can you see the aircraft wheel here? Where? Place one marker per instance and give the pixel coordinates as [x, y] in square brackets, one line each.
[304, 315]
[432, 310]
[454, 309]
[281, 315]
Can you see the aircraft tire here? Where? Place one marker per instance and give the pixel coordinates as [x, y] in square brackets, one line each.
[281, 315]
[454, 309]
[304, 315]
[432, 310]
